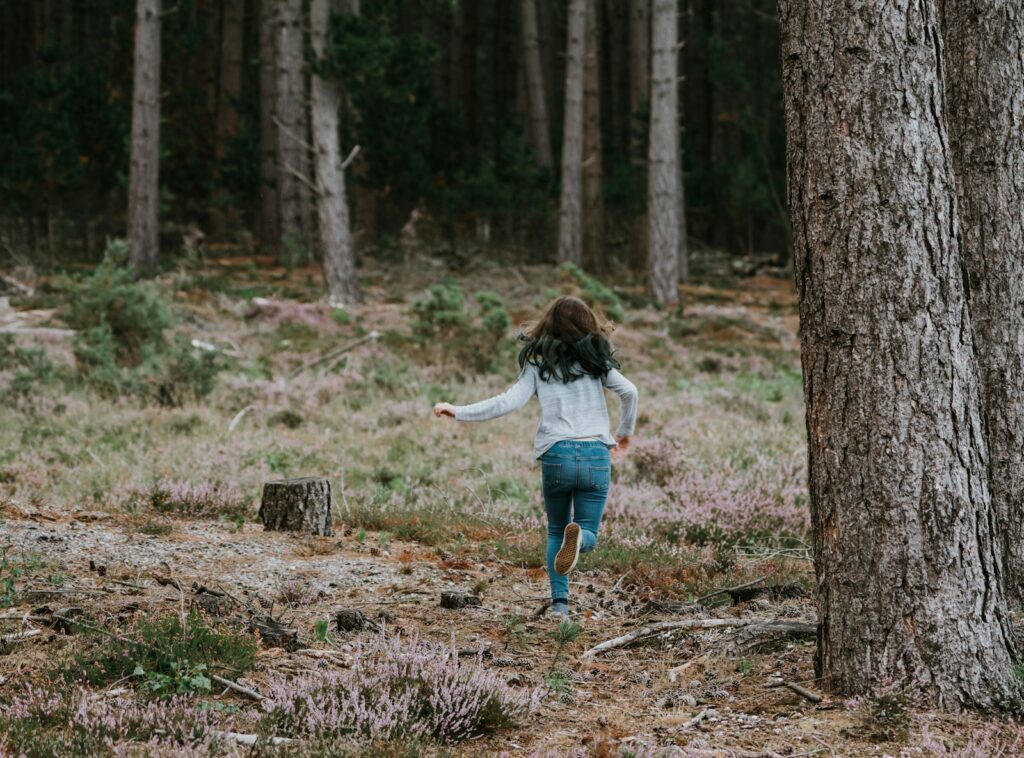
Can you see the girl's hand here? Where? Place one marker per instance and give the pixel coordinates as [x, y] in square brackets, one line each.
[444, 409]
[623, 447]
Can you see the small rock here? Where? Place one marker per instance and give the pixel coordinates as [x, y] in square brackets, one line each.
[456, 600]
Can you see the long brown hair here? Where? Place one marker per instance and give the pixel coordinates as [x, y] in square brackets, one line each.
[568, 341]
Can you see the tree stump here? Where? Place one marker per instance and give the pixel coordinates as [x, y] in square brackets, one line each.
[297, 505]
[455, 600]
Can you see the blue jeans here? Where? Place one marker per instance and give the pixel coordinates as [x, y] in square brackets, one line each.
[575, 478]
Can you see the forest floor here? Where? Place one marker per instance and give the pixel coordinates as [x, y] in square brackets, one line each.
[119, 513]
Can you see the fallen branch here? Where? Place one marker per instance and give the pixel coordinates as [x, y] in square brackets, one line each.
[38, 331]
[19, 636]
[811, 695]
[695, 720]
[252, 694]
[333, 354]
[732, 589]
[24, 288]
[665, 626]
[238, 417]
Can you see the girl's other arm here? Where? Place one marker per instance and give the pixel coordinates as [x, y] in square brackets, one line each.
[627, 393]
[512, 399]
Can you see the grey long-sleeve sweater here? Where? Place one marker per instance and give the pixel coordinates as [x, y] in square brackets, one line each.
[567, 411]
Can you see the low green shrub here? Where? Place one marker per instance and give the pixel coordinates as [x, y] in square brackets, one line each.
[169, 655]
[444, 326]
[593, 292]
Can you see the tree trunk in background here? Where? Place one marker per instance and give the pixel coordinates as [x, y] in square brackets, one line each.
[663, 201]
[231, 51]
[570, 216]
[269, 224]
[540, 130]
[467, 67]
[683, 260]
[984, 74]
[906, 554]
[616, 73]
[639, 74]
[331, 203]
[143, 176]
[593, 205]
[292, 126]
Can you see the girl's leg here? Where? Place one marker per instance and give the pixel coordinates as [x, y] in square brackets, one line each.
[558, 505]
[590, 498]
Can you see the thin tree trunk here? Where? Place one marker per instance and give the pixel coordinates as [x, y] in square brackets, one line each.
[616, 69]
[663, 200]
[570, 218]
[639, 74]
[231, 51]
[984, 74]
[684, 241]
[905, 550]
[537, 100]
[292, 126]
[270, 227]
[467, 67]
[143, 177]
[331, 204]
[593, 205]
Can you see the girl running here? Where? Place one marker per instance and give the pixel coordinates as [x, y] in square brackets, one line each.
[567, 362]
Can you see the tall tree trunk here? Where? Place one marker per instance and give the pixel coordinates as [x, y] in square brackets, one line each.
[143, 176]
[639, 74]
[467, 67]
[292, 126]
[269, 223]
[984, 74]
[663, 175]
[231, 51]
[684, 240]
[539, 128]
[593, 205]
[616, 69]
[570, 216]
[905, 549]
[331, 203]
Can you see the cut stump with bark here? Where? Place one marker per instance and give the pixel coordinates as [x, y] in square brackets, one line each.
[455, 600]
[297, 505]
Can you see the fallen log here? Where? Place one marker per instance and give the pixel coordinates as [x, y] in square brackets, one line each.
[666, 626]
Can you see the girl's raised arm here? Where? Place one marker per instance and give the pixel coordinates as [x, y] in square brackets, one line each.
[514, 398]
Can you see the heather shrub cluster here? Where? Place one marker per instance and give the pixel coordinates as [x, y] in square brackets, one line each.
[44, 722]
[192, 500]
[395, 689]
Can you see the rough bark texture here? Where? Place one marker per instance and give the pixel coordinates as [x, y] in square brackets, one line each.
[230, 93]
[593, 200]
[683, 258]
[331, 203]
[570, 217]
[663, 201]
[143, 177]
[905, 550]
[639, 73]
[297, 505]
[269, 224]
[536, 99]
[292, 125]
[984, 74]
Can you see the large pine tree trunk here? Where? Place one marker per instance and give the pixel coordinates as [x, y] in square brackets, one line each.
[269, 221]
[663, 175]
[593, 205]
[331, 203]
[292, 126]
[905, 551]
[570, 217]
[143, 176]
[537, 100]
[230, 93]
[984, 74]
[639, 74]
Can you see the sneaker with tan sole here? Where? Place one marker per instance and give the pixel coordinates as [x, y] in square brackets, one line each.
[569, 553]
